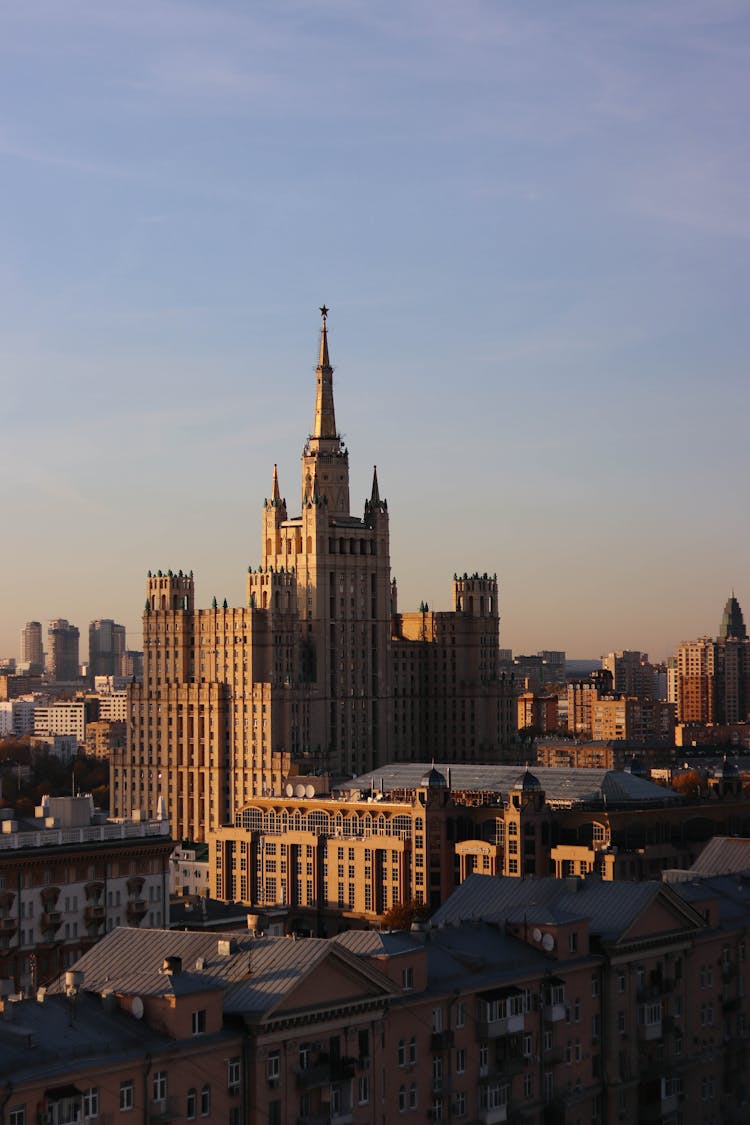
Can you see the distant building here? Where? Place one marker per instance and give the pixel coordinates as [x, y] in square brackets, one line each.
[712, 676]
[132, 665]
[581, 694]
[63, 717]
[106, 648]
[104, 737]
[633, 675]
[537, 712]
[32, 648]
[62, 651]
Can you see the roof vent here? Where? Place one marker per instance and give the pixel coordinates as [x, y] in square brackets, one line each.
[200, 963]
[171, 965]
[227, 946]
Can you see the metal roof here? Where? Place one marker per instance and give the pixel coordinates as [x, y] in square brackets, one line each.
[609, 907]
[255, 974]
[561, 784]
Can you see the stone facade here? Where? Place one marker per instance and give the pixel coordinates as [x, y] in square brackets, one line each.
[317, 671]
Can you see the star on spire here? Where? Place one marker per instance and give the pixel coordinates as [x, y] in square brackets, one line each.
[323, 311]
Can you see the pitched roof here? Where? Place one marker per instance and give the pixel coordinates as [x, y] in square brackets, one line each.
[255, 974]
[610, 908]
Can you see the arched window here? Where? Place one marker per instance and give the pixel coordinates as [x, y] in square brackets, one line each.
[309, 544]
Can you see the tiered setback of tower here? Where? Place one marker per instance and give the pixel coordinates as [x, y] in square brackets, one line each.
[317, 672]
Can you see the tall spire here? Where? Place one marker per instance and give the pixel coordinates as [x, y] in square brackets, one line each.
[375, 496]
[325, 417]
[276, 495]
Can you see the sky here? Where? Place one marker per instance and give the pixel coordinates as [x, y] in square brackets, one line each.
[530, 223]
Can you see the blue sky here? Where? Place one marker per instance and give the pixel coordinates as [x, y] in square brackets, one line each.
[531, 224]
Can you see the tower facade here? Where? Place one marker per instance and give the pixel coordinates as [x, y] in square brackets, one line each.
[301, 678]
[106, 648]
[32, 651]
[62, 650]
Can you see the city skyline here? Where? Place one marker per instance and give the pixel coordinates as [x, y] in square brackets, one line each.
[531, 232]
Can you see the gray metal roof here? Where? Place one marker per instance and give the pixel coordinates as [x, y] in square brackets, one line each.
[609, 907]
[255, 975]
[722, 855]
[562, 785]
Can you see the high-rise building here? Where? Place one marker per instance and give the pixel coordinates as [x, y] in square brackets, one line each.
[632, 674]
[62, 650]
[713, 675]
[106, 648]
[32, 651]
[303, 674]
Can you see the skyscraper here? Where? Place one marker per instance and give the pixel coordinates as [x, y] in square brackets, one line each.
[713, 675]
[62, 650]
[32, 651]
[302, 677]
[106, 648]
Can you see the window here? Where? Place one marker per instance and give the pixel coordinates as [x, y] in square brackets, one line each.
[127, 1095]
[199, 1022]
[413, 1096]
[160, 1085]
[483, 1059]
[621, 1020]
[460, 1014]
[528, 1085]
[460, 1060]
[572, 942]
[459, 1104]
[17, 1115]
[273, 1067]
[620, 982]
[412, 1050]
[205, 1101]
[594, 984]
[402, 1099]
[364, 1089]
[401, 1052]
[437, 1019]
[91, 1102]
[191, 1111]
[234, 1073]
[407, 979]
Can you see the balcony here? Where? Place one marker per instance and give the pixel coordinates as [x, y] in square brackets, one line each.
[51, 920]
[648, 1032]
[324, 1072]
[493, 1116]
[94, 915]
[553, 1013]
[136, 909]
[8, 926]
[163, 1110]
[493, 1029]
[441, 1040]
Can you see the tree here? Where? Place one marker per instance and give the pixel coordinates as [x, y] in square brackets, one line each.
[401, 915]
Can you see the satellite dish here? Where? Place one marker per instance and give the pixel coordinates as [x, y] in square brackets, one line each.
[548, 943]
[136, 1008]
[536, 934]
[309, 790]
[289, 790]
[299, 791]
